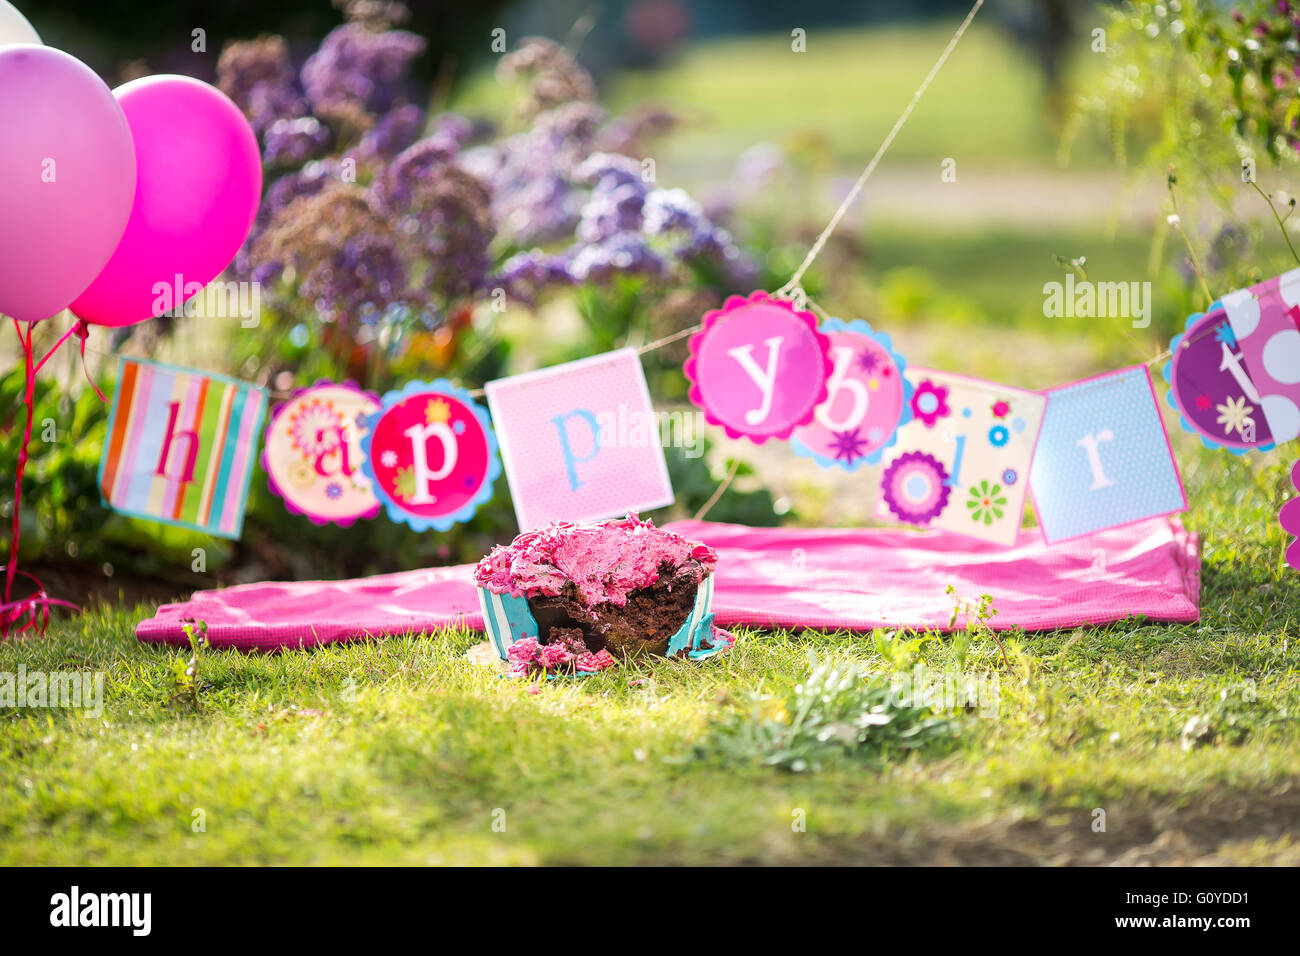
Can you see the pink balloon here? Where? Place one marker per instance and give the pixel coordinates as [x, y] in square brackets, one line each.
[67, 175]
[199, 178]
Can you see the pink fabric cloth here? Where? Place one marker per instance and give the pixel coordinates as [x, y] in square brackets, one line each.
[773, 577]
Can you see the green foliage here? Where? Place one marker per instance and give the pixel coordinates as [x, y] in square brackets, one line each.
[60, 503]
[185, 673]
[1210, 93]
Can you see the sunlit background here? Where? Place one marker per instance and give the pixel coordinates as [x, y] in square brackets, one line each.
[1042, 148]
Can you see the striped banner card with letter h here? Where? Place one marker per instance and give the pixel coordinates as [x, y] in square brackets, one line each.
[180, 446]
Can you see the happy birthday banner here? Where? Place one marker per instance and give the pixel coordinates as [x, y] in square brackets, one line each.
[580, 441]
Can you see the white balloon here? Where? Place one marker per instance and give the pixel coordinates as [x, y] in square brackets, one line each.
[14, 27]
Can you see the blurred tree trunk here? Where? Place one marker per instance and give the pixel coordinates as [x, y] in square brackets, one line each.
[1049, 28]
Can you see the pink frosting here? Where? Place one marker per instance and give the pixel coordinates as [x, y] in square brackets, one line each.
[605, 561]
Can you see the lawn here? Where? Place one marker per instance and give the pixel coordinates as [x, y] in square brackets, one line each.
[400, 751]
[985, 108]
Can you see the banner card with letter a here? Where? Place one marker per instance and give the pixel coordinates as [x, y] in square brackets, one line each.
[962, 463]
[1103, 457]
[580, 441]
[313, 453]
[180, 446]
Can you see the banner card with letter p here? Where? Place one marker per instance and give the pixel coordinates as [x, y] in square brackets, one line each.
[180, 446]
[580, 441]
[430, 455]
[1103, 457]
[962, 463]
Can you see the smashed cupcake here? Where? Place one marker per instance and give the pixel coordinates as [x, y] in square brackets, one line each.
[576, 598]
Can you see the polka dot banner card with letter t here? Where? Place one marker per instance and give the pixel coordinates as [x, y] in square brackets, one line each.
[1266, 332]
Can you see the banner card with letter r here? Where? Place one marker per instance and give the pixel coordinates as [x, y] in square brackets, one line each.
[1103, 457]
[962, 463]
[180, 446]
[580, 441]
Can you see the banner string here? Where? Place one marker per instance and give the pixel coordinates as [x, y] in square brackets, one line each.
[786, 290]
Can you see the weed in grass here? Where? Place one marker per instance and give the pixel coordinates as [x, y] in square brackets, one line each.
[186, 680]
[834, 711]
[977, 623]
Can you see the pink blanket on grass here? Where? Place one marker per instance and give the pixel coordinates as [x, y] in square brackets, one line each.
[770, 577]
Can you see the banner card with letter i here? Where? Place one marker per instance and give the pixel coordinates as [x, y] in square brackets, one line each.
[962, 463]
[180, 446]
[1103, 457]
[580, 441]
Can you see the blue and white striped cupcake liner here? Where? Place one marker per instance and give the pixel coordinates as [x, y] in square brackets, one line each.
[508, 618]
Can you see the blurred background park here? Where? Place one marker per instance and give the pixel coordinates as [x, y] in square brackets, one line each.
[501, 146]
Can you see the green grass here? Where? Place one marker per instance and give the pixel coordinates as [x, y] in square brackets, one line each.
[986, 108]
[400, 751]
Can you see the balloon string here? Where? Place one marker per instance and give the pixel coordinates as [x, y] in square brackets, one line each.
[34, 610]
[66, 335]
[29, 391]
[82, 331]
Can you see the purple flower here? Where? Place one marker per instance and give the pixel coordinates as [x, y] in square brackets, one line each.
[632, 134]
[291, 142]
[358, 69]
[308, 181]
[526, 274]
[396, 130]
[553, 77]
[610, 210]
[607, 170]
[452, 129]
[258, 76]
[623, 254]
[444, 212]
[671, 210]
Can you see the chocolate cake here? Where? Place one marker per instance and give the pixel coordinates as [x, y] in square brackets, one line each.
[625, 586]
